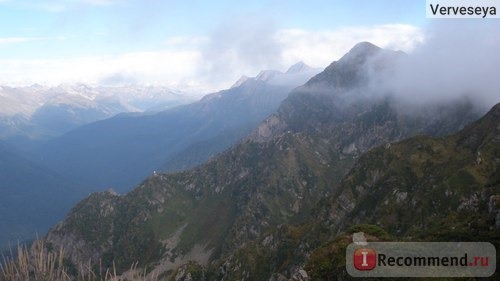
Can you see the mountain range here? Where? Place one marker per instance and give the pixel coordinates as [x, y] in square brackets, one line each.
[336, 157]
[121, 151]
[36, 112]
[35, 196]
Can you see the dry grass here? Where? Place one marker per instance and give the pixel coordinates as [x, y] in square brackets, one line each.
[40, 264]
[37, 264]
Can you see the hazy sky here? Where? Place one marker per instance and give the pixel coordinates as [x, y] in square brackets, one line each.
[198, 43]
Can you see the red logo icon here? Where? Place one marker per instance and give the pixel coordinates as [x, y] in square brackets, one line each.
[365, 259]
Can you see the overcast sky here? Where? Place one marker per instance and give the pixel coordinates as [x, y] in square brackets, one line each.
[207, 44]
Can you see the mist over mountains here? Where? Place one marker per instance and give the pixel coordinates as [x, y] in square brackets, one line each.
[448, 65]
[247, 140]
[266, 179]
[272, 206]
[121, 151]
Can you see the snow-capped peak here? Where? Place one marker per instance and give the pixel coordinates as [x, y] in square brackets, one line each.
[266, 75]
[240, 81]
[298, 68]
[296, 75]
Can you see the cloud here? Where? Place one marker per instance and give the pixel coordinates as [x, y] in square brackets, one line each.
[118, 79]
[248, 46]
[183, 42]
[99, 2]
[58, 6]
[161, 67]
[459, 59]
[320, 48]
[212, 62]
[14, 40]
[240, 46]
[11, 40]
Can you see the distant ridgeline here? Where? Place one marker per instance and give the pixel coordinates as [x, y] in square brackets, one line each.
[334, 159]
[41, 181]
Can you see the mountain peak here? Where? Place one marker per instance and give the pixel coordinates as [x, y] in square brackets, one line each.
[350, 70]
[298, 67]
[493, 115]
[361, 51]
[240, 81]
[495, 111]
[365, 47]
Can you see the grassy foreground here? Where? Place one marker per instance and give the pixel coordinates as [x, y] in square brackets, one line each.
[38, 263]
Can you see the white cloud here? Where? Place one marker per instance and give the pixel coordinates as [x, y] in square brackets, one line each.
[163, 67]
[319, 48]
[58, 6]
[250, 47]
[10, 40]
[459, 59]
[16, 40]
[214, 62]
[241, 46]
[185, 41]
[99, 2]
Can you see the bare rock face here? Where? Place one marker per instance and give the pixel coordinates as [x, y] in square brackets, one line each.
[190, 272]
[494, 209]
[268, 129]
[301, 275]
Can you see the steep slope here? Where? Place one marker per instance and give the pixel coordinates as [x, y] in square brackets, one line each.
[32, 197]
[452, 181]
[420, 189]
[201, 151]
[276, 176]
[122, 151]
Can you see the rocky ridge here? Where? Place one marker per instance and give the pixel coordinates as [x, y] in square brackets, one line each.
[252, 209]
